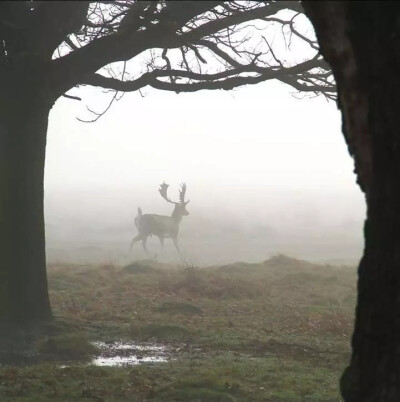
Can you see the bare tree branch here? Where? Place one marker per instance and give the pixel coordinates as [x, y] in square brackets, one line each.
[228, 79]
[126, 44]
[72, 97]
[219, 52]
[101, 114]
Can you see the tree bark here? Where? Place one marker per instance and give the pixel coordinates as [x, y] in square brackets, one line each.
[23, 126]
[361, 42]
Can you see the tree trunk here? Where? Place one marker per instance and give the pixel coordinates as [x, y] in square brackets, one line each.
[23, 281]
[361, 42]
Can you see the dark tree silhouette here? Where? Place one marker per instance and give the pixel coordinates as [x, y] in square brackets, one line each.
[361, 42]
[48, 48]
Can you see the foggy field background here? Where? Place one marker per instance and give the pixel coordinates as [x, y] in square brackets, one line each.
[101, 232]
[267, 173]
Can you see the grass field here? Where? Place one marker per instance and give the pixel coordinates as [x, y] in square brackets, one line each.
[274, 331]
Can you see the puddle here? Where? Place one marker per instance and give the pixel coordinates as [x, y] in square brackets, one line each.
[114, 354]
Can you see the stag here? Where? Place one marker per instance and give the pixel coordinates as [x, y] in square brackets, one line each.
[160, 225]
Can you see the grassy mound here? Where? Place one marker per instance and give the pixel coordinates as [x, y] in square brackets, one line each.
[144, 267]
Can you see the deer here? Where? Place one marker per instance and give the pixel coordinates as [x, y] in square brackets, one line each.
[162, 226]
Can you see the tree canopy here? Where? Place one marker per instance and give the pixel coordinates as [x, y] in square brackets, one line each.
[168, 45]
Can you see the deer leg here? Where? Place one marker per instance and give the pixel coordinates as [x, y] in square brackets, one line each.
[134, 240]
[144, 244]
[162, 244]
[161, 241]
[175, 240]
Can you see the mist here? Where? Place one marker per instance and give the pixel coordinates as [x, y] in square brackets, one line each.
[266, 172]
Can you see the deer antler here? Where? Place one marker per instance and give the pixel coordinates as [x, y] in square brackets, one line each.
[163, 191]
[182, 193]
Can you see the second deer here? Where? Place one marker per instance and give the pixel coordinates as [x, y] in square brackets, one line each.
[160, 225]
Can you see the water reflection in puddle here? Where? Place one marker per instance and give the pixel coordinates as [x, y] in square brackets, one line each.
[114, 354]
[125, 361]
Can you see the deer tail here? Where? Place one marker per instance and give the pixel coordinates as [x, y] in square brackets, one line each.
[138, 217]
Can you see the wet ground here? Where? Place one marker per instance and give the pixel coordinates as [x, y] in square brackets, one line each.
[116, 353]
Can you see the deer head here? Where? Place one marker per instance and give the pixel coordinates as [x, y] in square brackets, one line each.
[180, 207]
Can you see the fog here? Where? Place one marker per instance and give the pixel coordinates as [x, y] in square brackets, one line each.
[266, 173]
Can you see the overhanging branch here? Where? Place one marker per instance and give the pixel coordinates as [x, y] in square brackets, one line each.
[226, 80]
[208, 36]
[126, 44]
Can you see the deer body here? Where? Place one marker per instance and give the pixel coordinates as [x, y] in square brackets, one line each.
[161, 226]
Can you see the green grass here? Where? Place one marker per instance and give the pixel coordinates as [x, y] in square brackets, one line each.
[69, 347]
[275, 331]
[179, 308]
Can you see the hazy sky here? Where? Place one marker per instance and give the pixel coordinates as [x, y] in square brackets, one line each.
[256, 155]
[253, 137]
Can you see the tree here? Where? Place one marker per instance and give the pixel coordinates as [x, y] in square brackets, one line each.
[361, 42]
[47, 48]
